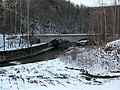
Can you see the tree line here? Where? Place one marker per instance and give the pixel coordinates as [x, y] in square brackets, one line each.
[58, 16]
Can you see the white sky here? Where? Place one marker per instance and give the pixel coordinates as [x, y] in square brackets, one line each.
[92, 2]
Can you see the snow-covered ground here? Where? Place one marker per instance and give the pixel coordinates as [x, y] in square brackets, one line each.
[50, 75]
[11, 44]
[64, 73]
[14, 44]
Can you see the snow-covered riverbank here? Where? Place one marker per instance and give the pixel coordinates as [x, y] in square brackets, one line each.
[53, 74]
[50, 75]
[47, 74]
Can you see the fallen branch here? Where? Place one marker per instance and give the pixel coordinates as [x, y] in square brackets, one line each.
[81, 70]
[86, 73]
[115, 71]
[100, 76]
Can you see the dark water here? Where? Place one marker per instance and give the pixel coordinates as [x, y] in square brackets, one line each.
[47, 55]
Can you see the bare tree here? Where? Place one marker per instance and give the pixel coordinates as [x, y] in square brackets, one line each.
[118, 21]
[4, 24]
[114, 18]
[28, 21]
[103, 21]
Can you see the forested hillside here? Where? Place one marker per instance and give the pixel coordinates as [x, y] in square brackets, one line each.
[105, 21]
[46, 16]
[58, 16]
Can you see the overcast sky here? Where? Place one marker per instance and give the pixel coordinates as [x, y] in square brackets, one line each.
[92, 2]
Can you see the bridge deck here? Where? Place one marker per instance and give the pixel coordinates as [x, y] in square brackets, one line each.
[59, 35]
[70, 37]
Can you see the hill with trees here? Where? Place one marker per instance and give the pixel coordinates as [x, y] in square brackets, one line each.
[58, 16]
[45, 16]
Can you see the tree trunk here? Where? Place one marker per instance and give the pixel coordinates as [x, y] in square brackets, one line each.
[105, 20]
[28, 22]
[4, 25]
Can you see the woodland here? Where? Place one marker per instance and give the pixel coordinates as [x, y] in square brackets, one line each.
[58, 17]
